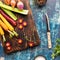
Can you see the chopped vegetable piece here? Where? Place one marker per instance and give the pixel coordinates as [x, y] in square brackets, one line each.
[20, 41]
[24, 24]
[7, 44]
[9, 48]
[31, 44]
[25, 12]
[20, 26]
[10, 14]
[20, 21]
[8, 18]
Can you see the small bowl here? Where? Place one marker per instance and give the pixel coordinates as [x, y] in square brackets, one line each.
[40, 57]
[40, 2]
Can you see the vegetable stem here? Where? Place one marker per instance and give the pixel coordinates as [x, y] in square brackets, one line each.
[4, 39]
[11, 33]
[16, 34]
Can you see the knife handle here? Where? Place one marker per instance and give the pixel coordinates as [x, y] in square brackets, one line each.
[49, 40]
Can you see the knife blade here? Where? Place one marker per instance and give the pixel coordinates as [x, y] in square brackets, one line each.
[48, 31]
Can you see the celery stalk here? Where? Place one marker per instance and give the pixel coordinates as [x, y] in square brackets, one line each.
[24, 12]
[10, 14]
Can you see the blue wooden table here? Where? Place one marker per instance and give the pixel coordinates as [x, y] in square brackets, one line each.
[52, 8]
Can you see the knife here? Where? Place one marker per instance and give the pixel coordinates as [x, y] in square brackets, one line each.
[48, 31]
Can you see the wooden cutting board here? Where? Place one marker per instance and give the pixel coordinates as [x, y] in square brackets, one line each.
[28, 34]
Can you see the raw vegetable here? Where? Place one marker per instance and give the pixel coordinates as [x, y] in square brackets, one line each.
[10, 27]
[10, 14]
[6, 23]
[20, 20]
[56, 51]
[8, 18]
[2, 34]
[5, 28]
[13, 3]
[7, 2]
[24, 12]
[20, 5]
[20, 41]
[24, 23]
[21, 26]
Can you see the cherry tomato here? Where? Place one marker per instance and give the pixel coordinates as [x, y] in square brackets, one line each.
[7, 44]
[24, 23]
[20, 20]
[20, 41]
[31, 44]
[9, 48]
[21, 26]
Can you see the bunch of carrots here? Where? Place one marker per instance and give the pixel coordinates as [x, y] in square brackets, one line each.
[5, 25]
[15, 3]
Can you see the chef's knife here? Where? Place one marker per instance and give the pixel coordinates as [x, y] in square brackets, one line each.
[48, 31]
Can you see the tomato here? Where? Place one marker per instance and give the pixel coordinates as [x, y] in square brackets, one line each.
[9, 48]
[24, 23]
[21, 26]
[20, 20]
[31, 44]
[20, 41]
[7, 44]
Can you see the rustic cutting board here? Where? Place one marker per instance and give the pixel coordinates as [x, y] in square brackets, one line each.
[28, 34]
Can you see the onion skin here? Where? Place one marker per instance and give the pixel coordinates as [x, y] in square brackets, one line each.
[20, 5]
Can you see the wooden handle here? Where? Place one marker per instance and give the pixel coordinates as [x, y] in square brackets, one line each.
[49, 40]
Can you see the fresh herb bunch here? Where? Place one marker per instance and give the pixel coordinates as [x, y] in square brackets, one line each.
[56, 49]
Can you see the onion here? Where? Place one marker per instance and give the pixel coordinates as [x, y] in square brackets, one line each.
[20, 5]
[13, 3]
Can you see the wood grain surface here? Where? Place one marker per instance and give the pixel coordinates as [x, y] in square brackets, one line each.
[29, 31]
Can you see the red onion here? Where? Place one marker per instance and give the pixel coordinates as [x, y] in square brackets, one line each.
[20, 5]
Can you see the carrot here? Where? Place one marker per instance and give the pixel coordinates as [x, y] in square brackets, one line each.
[12, 15]
[10, 27]
[2, 33]
[13, 3]
[8, 18]
[5, 27]
[6, 23]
